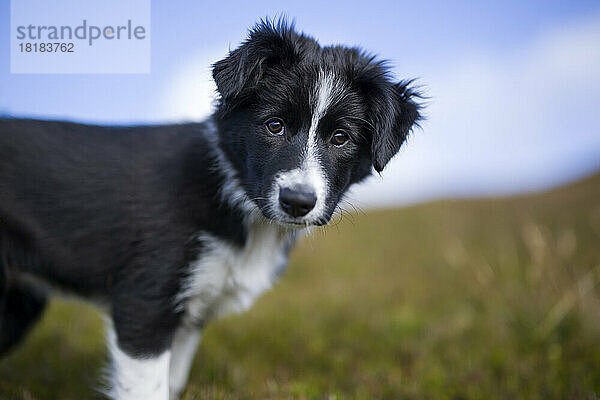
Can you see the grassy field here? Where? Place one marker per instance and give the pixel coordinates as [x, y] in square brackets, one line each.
[462, 299]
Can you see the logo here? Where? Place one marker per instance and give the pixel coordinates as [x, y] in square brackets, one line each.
[73, 36]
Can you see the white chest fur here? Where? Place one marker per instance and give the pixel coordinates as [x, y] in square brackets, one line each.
[227, 279]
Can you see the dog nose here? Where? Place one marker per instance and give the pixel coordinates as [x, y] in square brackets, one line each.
[297, 202]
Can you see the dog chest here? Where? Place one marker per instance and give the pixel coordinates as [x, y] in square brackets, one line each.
[227, 279]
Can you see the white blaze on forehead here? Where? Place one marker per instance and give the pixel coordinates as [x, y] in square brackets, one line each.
[322, 97]
[311, 171]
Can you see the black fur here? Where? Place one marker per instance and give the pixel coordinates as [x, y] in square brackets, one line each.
[20, 307]
[108, 211]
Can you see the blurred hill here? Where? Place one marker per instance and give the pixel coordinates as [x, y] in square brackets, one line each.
[455, 299]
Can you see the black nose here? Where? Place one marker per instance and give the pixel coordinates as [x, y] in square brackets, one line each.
[297, 202]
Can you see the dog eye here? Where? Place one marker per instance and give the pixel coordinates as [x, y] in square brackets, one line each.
[275, 126]
[339, 138]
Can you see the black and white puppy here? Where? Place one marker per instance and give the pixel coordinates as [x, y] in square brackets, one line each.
[171, 226]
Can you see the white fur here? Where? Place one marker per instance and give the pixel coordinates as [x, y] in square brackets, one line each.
[311, 172]
[183, 348]
[227, 279]
[137, 378]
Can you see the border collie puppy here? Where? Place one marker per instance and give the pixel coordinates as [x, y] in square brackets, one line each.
[171, 226]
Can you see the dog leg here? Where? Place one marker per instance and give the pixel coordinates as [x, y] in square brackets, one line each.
[135, 378]
[183, 348]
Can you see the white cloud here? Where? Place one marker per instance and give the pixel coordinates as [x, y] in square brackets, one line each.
[189, 92]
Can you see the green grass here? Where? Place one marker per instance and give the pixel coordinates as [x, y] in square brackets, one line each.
[462, 299]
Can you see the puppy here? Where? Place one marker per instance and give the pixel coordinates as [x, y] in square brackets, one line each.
[171, 226]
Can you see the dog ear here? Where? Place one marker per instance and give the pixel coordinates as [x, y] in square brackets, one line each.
[393, 124]
[393, 111]
[269, 45]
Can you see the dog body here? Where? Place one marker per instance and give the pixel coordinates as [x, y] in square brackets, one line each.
[171, 226]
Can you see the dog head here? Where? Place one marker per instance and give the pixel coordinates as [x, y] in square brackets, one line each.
[300, 123]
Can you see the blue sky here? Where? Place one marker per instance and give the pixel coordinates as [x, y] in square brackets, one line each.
[514, 86]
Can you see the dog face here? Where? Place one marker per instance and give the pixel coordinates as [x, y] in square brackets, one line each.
[300, 123]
